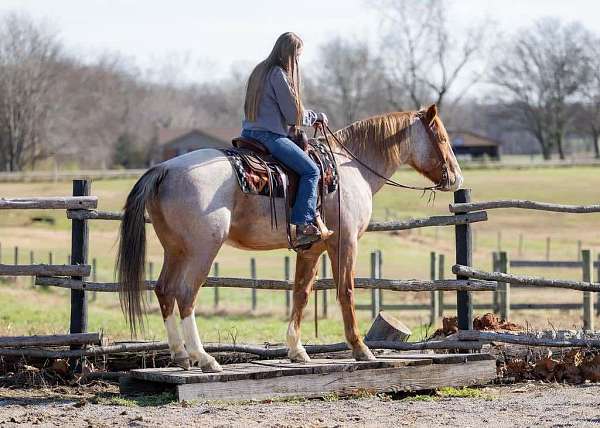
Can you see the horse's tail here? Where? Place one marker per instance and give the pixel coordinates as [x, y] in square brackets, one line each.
[132, 248]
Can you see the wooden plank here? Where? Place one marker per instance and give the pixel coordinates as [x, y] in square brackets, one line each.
[67, 202]
[523, 280]
[519, 203]
[407, 378]
[464, 256]
[271, 284]
[45, 270]
[52, 340]
[444, 358]
[440, 220]
[265, 369]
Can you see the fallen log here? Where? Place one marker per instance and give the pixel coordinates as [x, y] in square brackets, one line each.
[45, 270]
[523, 339]
[271, 284]
[523, 280]
[519, 203]
[67, 202]
[261, 351]
[52, 340]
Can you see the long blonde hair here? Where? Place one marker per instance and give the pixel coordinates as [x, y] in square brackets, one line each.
[284, 55]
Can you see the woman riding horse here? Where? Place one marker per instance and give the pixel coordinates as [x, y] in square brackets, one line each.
[273, 104]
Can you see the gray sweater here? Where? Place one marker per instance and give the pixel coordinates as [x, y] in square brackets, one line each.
[277, 107]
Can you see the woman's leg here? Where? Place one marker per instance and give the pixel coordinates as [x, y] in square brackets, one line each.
[287, 152]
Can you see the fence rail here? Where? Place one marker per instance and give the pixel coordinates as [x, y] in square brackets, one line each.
[273, 284]
[519, 203]
[49, 203]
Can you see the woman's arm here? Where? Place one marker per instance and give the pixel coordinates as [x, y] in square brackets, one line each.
[285, 99]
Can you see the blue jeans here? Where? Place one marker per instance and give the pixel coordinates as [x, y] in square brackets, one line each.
[288, 153]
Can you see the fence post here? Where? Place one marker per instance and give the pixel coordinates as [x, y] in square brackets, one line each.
[504, 287]
[16, 255]
[50, 257]
[216, 290]
[496, 292]
[253, 276]
[31, 261]
[548, 242]
[435, 294]
[598, 280]
[588, 301]
[374, 295]
[441, 275]
[324, 275]
[79, 254]
[464, 256]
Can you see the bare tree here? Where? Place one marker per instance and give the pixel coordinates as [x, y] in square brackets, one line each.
[29, 57]
[540, 74]
[342, 79]
[424, 59]
[591, 94]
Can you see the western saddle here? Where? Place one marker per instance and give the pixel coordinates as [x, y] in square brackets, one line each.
[268, 173]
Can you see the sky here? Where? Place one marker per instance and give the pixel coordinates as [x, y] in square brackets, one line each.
[206, 38]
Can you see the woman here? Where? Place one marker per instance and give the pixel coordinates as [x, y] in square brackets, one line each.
[273, 104]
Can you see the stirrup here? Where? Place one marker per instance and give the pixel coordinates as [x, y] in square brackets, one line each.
[323, 230]
[304, 241]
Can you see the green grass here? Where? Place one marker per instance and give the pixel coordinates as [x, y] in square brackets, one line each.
[405, 255]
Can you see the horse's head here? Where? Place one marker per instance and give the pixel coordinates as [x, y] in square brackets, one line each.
[432, 155]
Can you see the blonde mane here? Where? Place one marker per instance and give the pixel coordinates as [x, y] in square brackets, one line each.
[388, 135]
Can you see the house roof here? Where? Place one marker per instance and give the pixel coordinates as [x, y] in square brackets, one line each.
[471, 139]
[170, 135]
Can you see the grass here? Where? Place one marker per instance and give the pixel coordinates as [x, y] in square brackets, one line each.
[405, 255]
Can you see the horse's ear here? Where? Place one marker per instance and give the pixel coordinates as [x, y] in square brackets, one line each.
[431, 113]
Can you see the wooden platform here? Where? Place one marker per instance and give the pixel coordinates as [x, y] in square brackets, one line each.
[266, 379]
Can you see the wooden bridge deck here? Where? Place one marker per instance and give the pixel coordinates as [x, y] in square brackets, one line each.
[266, 379]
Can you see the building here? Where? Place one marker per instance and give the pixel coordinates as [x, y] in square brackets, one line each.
[467, 143]
[177, 141]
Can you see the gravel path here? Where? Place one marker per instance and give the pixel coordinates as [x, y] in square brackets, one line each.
[530, 404]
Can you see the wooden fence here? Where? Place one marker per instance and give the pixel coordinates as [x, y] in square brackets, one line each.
[81, 208]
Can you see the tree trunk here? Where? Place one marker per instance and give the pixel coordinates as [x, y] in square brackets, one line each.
[596, 143]
[559, 146]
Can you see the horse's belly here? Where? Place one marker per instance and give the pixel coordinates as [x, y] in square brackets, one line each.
[251, 226]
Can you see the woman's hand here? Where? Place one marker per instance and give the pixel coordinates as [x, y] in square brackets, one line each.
[322, 119]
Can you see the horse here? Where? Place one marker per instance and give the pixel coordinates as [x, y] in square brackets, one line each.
[196, 206]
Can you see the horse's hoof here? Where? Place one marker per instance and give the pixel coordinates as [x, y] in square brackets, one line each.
[363, 354]
[298, 356]
[211, 367]
[183, 363]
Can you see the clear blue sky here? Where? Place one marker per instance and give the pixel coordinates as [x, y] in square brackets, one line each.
[212, 35]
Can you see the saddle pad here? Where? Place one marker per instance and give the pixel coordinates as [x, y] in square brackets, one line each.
[253, 179]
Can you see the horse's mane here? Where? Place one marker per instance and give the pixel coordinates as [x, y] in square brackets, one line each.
[381, 134]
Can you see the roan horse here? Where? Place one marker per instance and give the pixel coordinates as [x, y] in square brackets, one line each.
[196, 205]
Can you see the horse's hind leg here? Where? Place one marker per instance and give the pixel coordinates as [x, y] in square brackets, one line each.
[196, 271]
[166, 300]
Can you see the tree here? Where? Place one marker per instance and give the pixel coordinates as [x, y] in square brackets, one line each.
[424, 59]
[343, 78]
[591, 94]
[540, 76]
[29, 57]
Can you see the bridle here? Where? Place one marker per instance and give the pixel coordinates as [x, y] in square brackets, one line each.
[429, 129]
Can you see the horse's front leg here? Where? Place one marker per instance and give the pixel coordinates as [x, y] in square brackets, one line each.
[345, 289]
[306, 269]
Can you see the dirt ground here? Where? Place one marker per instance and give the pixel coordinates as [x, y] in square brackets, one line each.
[524, 404]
